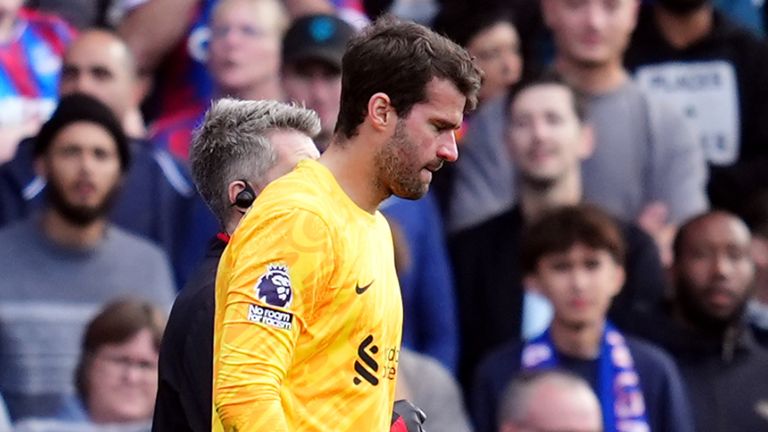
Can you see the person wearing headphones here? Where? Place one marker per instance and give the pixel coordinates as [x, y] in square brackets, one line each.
[238, 150]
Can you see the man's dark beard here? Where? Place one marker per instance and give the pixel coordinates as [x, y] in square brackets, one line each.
[695, 313]
[79, 215]
[537, 183]
[681, 7]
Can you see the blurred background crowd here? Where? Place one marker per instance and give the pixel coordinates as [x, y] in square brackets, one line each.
[633, 127]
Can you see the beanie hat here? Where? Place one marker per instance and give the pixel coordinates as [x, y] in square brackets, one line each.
[79, 107]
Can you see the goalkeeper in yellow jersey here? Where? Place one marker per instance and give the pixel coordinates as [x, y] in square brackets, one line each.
[308, 311]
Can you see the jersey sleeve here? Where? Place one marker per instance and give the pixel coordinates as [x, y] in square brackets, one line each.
[279, 270]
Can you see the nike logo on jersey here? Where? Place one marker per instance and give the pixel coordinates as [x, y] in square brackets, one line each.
[361, 289]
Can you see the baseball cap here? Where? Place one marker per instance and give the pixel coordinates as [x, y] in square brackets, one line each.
[317, 37]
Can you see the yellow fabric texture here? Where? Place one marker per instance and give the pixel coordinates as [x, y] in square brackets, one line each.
[322, 354]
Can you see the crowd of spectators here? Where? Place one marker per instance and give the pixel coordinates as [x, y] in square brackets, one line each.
[598, 251]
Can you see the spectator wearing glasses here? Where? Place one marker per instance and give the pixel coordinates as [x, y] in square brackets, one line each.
[116, 376]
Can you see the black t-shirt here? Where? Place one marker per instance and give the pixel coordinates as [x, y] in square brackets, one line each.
[587, 369]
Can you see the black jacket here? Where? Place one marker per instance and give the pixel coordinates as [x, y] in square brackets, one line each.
[726, 377]
[186, 354]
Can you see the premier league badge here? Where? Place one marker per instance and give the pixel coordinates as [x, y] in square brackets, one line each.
[274, 286]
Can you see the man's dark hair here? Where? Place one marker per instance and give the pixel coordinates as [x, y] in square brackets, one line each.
[463, 23]
[400, 58]
[551, 77]
[559, 230]
[684, 231]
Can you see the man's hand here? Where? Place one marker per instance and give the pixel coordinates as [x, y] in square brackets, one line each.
[407, 417]
[654, 220]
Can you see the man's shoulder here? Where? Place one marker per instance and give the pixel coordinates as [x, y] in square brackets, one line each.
[132, 253]
[628, 102]
[16, 242]
[650, 357]
[154, 164]
[488, 114]
[198, 293]
[635, 237]
[132, 245]
[20, 238]
[17, 229]
[306, 189]
[636, 98]
[192, 311]
[758, 357]
[661, 119]
[421, 367]
[501, 362]
[727, 31]
[19, 171]
[502, 227]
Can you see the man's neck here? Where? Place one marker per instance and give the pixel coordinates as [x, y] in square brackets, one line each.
[133, 124]
[582, 342]
[350, 163]
[64, 233]
[592, 80]
[681, 31]
[761, 293]
[233, 220]
[701, 325]
[535, 201]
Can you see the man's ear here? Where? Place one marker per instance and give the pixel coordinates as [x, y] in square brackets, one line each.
[635, 13]
[380, 111]
[234, 188]
[621, 276]
[141, 88]
[531, 282]
[547, 13]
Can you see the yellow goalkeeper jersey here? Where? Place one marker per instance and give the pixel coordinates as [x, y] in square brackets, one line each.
[308, 313]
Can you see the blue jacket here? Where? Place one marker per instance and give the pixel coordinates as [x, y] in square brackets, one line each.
[158, 201]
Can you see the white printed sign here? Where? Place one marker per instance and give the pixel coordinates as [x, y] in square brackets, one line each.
[707, 95]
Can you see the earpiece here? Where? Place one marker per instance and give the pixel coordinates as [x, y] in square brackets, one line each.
[245, 197]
